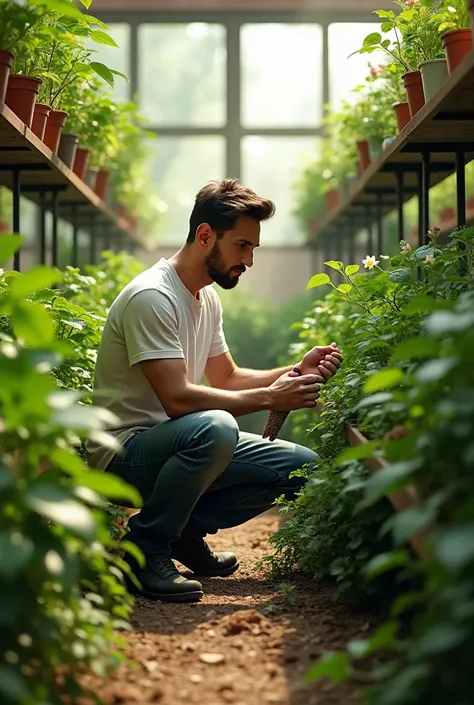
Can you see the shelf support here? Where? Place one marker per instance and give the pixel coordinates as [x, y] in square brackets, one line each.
[93, 249]
[460, 189]
[75, 235]
[54, 240]
[400, 213]
[16, 213]
[425, 198]
[42, 227]
[379, 224]
[370, 234]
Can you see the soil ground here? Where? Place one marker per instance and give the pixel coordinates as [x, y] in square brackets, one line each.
[243, 644]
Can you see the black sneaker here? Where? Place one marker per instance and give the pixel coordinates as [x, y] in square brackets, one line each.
[160, 580]
[196, 555]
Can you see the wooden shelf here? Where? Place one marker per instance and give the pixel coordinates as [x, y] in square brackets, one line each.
[447, 120]
[40, 168]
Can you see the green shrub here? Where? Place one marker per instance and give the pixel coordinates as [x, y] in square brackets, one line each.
[62, 596]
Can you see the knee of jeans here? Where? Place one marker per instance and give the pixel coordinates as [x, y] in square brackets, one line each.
[221, 431]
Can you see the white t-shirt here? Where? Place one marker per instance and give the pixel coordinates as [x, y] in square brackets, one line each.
[154, 317]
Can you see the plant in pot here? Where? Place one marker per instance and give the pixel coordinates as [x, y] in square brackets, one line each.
[18, 23]
[452, 23]
[415, 41]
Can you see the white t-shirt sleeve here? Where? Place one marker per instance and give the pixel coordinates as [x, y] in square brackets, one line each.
[218, 344]
[150, 328]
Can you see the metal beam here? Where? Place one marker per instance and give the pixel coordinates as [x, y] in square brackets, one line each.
[16, 213]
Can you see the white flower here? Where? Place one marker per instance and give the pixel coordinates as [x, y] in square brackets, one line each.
[370, 262]
[406, 247]
[429, 259]
[384, 257]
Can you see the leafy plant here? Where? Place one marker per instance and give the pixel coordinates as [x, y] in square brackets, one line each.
[453, 14]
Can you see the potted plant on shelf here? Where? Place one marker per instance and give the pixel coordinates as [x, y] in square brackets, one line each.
[452, 22]
[416, 41]
[16, 23]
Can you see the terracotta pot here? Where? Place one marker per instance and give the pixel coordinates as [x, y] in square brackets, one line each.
[447, 215]
[364, 153]
[433, 74]
[40, 118]
[332, 199]
[414, 89]
[6, 62]
[470, 204]
[402, 114]
[21, 96]
[54, 127]
[457, 44]
[80, 161]
[101, 183]
[67, 148]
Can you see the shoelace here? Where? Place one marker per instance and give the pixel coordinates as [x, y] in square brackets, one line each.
[163, 565]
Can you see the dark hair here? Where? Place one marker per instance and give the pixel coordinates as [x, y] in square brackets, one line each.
[220, 203]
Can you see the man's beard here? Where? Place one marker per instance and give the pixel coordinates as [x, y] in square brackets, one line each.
[227, 279]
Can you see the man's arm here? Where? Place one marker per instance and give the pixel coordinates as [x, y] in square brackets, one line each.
[168, 379]
[222, 372]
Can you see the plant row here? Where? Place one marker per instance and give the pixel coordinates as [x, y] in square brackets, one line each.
[63, 601]
[50, 78]
[406, 327]
[423, 42]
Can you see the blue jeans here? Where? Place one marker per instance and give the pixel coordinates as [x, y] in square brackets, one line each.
[199, 473]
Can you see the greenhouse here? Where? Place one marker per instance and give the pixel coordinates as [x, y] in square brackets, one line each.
[236, 352]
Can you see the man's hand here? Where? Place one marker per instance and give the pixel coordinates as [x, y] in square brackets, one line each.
[293, 391]
[321, 360]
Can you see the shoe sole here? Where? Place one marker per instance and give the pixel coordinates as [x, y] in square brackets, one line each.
[195, 596]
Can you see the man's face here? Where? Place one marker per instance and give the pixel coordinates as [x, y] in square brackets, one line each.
[233, 253]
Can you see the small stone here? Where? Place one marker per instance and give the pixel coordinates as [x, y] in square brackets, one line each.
[151, 666]
[252, 653]
[211, 632]
[212, 658]
[195, 678]
[187, 646]
[211, 613]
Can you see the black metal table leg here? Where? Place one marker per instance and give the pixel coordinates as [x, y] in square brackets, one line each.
[379, 225]
[16, 214]
[42, 197]
[460, 189]
[425, 198]
[75, 236]
[400, 213]
[54, 239]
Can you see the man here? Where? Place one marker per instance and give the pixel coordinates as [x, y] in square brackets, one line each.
[197, 473]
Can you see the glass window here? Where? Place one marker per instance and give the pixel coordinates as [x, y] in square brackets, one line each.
[180, 166]
[117, 59]
[270, 166]
[182, 73]
[281, 75]
[347, 73]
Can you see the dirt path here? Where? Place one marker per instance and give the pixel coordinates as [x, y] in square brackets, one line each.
[243, 644]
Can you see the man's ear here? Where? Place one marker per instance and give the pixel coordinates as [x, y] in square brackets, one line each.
[205, 236]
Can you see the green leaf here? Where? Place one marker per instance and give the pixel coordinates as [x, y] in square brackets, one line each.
[442, 637]
[426, 304]
[352, 269]
[435, 370]
[415, 348]
[372, 39]
[33, 323]
[443, 322]
[384, 379]
[387, 27]
[454, 547]
[386, 561]
[134, 551]
[400, 276]
[385, 13]
[110, 486]
[334, 665]
[410, 521]
[103, 71]
[407, 15]
[9, 244]
[34, 280]
[56, 504]
[7, 479]
[379, 398]
[100, 37]
[16, 551]
[344, 288]
[318, 280]
[405, 602]
[12, 684]
[390, 479]
[386, 43]
[365, 450]
[63, 7]
[335, 265]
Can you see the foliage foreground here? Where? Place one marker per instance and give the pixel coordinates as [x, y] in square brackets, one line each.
[406, 328]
